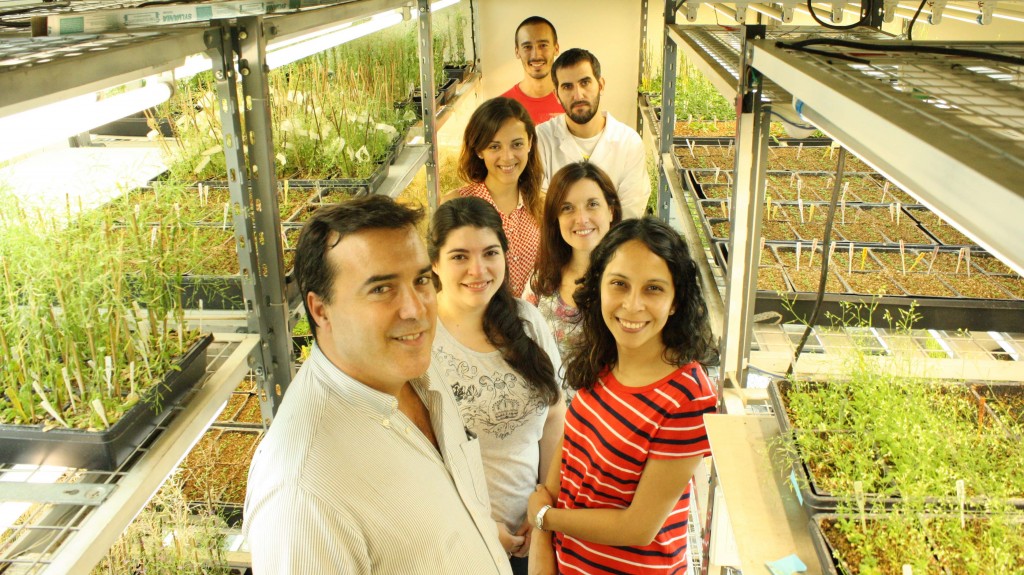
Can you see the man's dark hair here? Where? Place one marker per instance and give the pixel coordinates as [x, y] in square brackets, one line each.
[532, 20]
[328, 226]
[574, 56]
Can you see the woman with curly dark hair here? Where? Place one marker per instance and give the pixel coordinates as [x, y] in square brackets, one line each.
[634, 433]
[499, 357]
[580, 207]
[501, 160]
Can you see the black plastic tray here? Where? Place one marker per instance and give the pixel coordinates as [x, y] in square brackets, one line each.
[106, 450]
[948, 313]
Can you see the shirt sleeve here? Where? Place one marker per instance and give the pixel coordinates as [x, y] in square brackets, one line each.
[635, 187]
[292, 532]
[682, 433]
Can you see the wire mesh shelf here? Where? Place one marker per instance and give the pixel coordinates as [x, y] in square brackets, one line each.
[61, 520]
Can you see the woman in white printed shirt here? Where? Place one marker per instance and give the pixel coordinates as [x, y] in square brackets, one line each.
[499, 357]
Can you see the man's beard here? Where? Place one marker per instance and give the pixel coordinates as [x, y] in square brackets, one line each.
[585, 115]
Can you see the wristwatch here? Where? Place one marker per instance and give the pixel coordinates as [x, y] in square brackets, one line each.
[539, 520]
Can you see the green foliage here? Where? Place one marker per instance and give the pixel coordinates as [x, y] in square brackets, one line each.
[333, 114]
[167, 538]
[696, 98]
[885, 431]
[88, 321]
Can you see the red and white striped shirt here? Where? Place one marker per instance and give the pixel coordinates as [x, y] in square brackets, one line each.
[610, 432]
[522, 232]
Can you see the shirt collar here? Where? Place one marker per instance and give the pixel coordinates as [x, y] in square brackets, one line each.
[376, 403]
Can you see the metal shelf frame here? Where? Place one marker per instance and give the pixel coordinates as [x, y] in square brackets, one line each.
[948, 132]
[71, 537]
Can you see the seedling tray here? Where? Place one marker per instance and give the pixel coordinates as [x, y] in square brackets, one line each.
[937, 312]
[215, 478]
[106, 450]
[225, 292]
[458, 73]
[923, 540]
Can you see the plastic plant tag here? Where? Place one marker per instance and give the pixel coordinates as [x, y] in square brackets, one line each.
[908, 570]
[786, 566]
[796, 487]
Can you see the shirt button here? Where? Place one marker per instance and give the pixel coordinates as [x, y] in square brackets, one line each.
[386, 423]
[408, 431]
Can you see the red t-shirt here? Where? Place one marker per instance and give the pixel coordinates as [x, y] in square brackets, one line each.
[610, 432]
[541, 109]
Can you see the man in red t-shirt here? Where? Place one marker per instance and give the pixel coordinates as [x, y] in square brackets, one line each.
[536, 48]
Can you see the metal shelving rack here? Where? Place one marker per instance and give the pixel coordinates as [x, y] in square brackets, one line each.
[73, 522]
[64, 534]
[936, 127]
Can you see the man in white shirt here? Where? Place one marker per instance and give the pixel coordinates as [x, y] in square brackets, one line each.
[367, 467]
[584, 133]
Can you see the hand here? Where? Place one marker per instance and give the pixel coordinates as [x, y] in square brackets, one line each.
[542, 556]
[511, 543]
[539, 498]
[524, 530]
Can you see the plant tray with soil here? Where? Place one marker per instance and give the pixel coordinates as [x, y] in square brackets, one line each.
[242, 410]
[108, 449]
[939, 229]
[1006, 400]
[872, 544]
[805, 155]
[819, 471]
[876, 544]
[323, 198]
[189, 204]
[215, 473]
[882, 442]
[937, 296]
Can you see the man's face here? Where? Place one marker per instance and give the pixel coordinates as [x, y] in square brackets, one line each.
[379, 325]
[537, 49]
[579, 92]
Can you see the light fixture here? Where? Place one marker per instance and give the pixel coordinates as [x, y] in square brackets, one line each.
[39, 127]
[769, 11]
[282, 55]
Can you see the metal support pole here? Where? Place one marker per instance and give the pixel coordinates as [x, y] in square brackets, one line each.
[254, 206]
[668, 111]
[745, 234]
[642, 68]
[426, 53]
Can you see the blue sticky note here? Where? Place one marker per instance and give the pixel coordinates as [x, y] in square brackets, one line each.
[787, 566]
[796, 487]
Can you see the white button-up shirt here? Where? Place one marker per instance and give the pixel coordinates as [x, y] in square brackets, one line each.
[619, 152]
[344, 482]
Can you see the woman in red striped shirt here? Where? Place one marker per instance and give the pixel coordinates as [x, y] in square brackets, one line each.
[619, 500]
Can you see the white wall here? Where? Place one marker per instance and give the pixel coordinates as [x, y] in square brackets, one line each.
[610, 29]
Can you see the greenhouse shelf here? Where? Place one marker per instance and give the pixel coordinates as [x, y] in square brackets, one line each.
[768, 520]
[412, 158]
[60, 532]
[950, 135]
[44, 70]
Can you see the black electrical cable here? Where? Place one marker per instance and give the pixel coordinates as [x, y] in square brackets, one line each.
[863, 18]
[894, 47]
[910, 27]
[825, 252]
